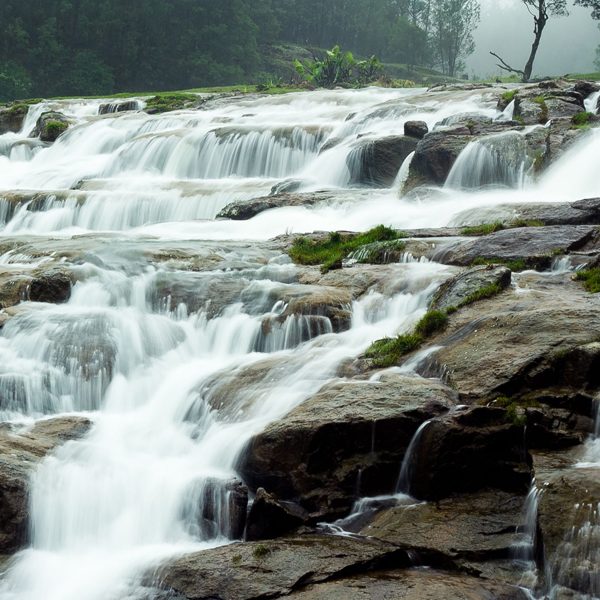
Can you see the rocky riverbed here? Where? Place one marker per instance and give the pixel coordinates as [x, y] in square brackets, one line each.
[455, 459]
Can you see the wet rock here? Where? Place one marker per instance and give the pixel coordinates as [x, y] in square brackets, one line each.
[467, 451]
[528, 345]
[20, 452]
[570, 527]
[50, 126]
[470, 528]
[465, 286]
[376, 163]
[271, 518]
[53, 287]
[117, 107]
[534, 246]
[416, 129]
[273, 569]
[242, 211]
[582, 212]
[12, 118]
[435, 155]
[346, 442]
[412, 585]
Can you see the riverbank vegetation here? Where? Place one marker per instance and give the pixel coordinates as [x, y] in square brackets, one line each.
[54, 48]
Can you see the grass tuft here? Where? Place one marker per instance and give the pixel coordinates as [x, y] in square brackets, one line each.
[590, 279]
[431, 323]
[388, 351]
[330, 252]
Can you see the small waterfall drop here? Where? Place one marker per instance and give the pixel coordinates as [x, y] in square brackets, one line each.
[496, 160]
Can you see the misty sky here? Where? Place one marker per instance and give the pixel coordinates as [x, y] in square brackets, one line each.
[568, 44]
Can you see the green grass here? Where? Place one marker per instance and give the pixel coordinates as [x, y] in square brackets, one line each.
[487, 228]
[509, 96]
[387, 352]
[433, 322]
[541, 100]
[590, 279]
[330, 253]
[55, 128]
[487, 291]
[587, 76]
[483, 229]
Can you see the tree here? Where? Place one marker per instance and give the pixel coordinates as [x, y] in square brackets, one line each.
[453, 23]
[542, 11]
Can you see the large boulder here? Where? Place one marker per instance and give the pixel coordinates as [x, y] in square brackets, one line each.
[19, 455]
[376, 162]
[12, 118]
[50, 126]
[467, 451]
[435, 156]
[319, 567]
[244, 210]
[346, 442]
[533, 247]
[416, 129]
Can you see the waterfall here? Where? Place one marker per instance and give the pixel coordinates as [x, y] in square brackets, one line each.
[591, 103]
[495, 160]
[178, 338]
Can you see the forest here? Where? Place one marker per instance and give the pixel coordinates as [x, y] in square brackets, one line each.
[68, 47]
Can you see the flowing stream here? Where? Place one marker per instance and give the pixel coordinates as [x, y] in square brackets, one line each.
[157, 351]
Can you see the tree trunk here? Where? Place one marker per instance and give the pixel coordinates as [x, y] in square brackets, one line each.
[540, 23]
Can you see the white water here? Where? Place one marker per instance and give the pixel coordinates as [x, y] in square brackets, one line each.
[151, 366]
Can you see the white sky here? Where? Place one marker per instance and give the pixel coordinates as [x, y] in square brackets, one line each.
[568, 44]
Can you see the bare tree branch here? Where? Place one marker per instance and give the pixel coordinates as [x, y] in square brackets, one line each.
[506, 67]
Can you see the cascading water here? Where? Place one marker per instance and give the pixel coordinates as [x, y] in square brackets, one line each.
[177, 348]
[496, 160]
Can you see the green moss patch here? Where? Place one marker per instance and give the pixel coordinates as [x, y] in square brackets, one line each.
[582, 120]
[169, 102]
[509, 96]
[330, 253]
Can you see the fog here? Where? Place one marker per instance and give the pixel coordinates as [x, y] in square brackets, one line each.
[568, 44]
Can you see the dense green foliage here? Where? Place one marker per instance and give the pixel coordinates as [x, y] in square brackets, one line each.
[98, 47]
[331, 251]
[339, 68]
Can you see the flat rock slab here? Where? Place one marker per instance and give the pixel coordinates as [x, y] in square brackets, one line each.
[472, 527]
[249, 571]
[582, 212]
[508, 343]
[413, 584]
[536, 246]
